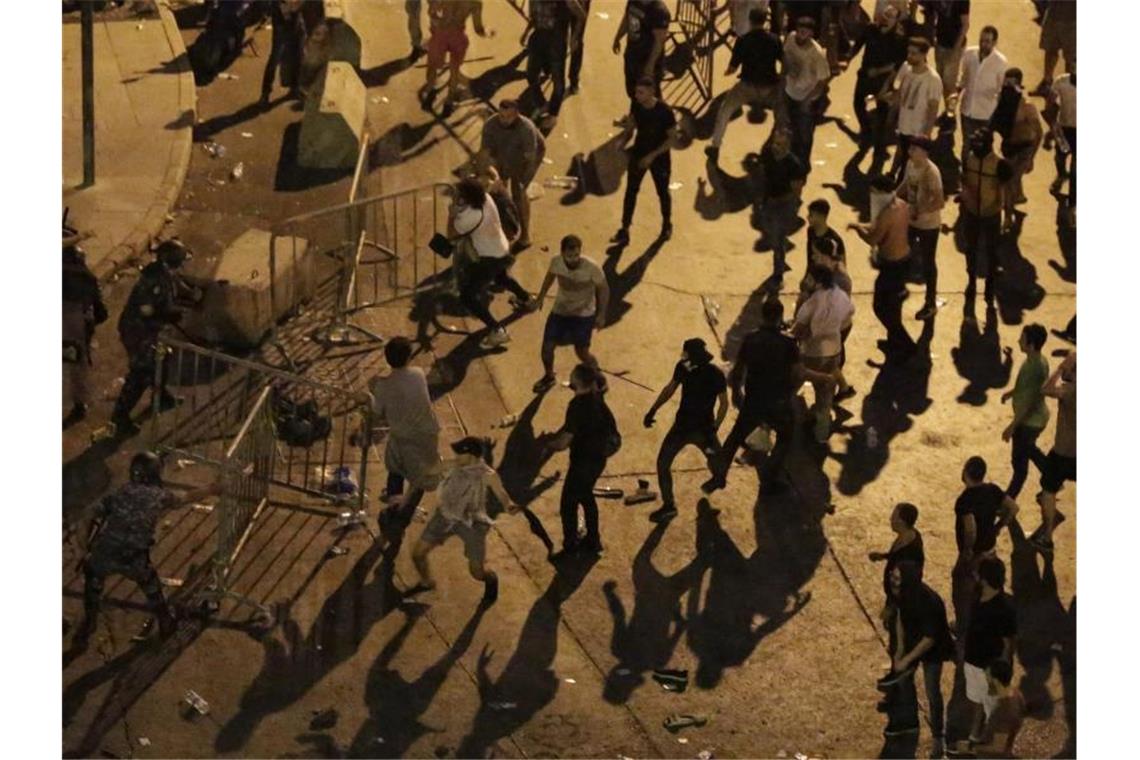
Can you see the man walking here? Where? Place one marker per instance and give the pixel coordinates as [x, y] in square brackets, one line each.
[514, 146]
[448, 44]
[890, 254]
[919, 97]
[884, 51]
[579, 308]
[1019, 123]
[784, 175]
[921, 188]
[580, 14]
[285, 49]
[980, 513]
[548, 27]
[984, 179]
[951, 24]
[702, 383]
[819, 324]
[591, 434]
[655, 125]
[755, 54]
[1062, 462]
[1063, 101]
[983, 73]
[990, 636]
[462, 511]
[1058, 34]
[806, 74]
[645, 24]
[83, 310]
[1030, 414]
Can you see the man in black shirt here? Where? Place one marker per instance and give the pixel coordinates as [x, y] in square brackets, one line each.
[884, 51]
[784, 176]
[546, 53]
[589, 432]
[990, 636]
[580, 14]
[951, 23]
[646, 24]
[764, 380]
[655, 125]
[979, 515]
[755, 54]
[702, 383]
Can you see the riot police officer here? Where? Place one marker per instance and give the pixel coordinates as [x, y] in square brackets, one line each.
[123, 533]
[152, 304]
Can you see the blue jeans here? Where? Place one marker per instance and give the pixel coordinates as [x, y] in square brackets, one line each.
[776, 220]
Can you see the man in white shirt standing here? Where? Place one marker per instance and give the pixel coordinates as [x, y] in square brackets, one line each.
[806, 73]
[919, 99]
[983, 72]
[819, 326]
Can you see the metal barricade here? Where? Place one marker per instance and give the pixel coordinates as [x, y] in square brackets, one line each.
[317, 447]
[693, 41]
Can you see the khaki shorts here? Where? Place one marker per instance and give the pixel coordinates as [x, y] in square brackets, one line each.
[474, 537]
[948, 62]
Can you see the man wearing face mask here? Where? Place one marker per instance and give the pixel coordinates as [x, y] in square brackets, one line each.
[984, 176]
[890, 254]
[1019, 123]
[702, 383]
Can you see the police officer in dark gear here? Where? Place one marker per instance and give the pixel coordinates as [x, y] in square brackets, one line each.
[123, 533]
[152, 304]
[83, 309]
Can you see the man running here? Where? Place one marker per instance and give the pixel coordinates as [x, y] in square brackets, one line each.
[755, 54]
[656, 126]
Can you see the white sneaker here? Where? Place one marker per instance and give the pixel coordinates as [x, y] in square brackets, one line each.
[495, 338]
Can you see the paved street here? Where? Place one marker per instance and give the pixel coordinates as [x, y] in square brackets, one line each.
[770, 603]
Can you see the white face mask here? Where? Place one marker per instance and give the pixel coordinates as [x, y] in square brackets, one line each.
[879, 201]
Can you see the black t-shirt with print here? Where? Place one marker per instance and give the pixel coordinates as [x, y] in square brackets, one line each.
[990, 622]
[700, 386]
[833, 236]
[653, 125]
[644, 16]
[548, 15]
[983, 502]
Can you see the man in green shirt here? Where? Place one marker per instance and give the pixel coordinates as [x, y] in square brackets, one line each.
[1030, 415]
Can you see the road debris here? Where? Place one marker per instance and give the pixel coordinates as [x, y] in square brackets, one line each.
[171, 582]
[323, 720]
[195, 702]
[215, 150]
[500, 706]
[247, 135]
[143, 741]
[338, 551]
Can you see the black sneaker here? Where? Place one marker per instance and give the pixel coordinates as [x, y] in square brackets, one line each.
[621, 237]
[713, 484]
[926, 312]
[545, 383]
[666, 513]
[844, 394]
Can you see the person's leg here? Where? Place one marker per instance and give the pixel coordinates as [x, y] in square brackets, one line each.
[140, 376]
[556, 65]
[660, 170]
[932, 680]
[783, 425]
[899, 161]
[535, 63]
[93, 580]
[458, 55]
[576, 51]
[572, 496]
[147, 578]
[522, 203]
[480, 273]
[632, 74]
[415, 32]
[887, 303]
[806, 114]
[590, 505]
[971, 231]
[502, 278]
[276, 47]
[547, 354]
[904, 707]
[1071, 137]
[1024, 444]
[824, 394]
[671, 446]
[395, 484]
[746, 422]
[990, 234]
[420, 561]
[927, 244]
[859, 104]
[632, 185]
[1052, 55]
[734, 99]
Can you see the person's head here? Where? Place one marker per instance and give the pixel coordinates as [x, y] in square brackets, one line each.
[571, 250]
[1013, 78]
[991, 572]
[918, 149]
[584, 379]
[694, 352]
[491, 180]
[974, 471]
[468, 192]
[757, 17]
[987, 40]
[780, 142]
[823, 277]
[906, 580]
[903, 517]
[999, 675]
[645, 92]
[1032, 338]
[772, 312]
[508, 111]
[471, 449]
[805, 30]
[916, 50]
[397, 352]
[172, 253]
[146, 469]
[889, 18]
[74, 255]
[817, 213]
[982, 142]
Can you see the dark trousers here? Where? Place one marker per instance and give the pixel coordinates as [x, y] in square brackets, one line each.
[904, 711]
[140, 376]
[801, 119]
[578, 489]
[285, 50]
[924, 245]
[633, 71]
[980, 235]
[110, 558]
[899, 161]
[546, 54]
[1024, 451]
[577, 49]
[395, 484]
[1060, 159]
[887, 302]
[675, 440]
[660, 170]
[778, 416]
[873, 122]
[777, 217]
[480, 274]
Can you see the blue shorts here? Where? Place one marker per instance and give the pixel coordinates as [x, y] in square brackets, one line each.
[562, 330]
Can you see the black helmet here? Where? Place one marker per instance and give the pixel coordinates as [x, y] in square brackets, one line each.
[172, 253]
[146, 468]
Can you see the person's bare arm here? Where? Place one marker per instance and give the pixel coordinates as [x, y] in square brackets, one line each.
[922, 647]
[1007, 513]
[970, 531]
[662, 397]
[659, 37]
[623, 27]
[602, 294]
[495, 483]
[933, 106]
[1053, 386]
[547, 282]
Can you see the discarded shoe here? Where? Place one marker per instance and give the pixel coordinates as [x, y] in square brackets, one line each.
[676, 722]
[641, 495]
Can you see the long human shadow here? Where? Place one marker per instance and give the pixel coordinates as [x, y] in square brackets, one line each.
[210, 127]
[295, 662]
[487, 84]
[449, 371]
[378, 76]
[746, 321]
[1067, 658]
[528, 679]
[598, 172]
[645, 639]
[395, 705]
[1017, 287]
[87, 475]
[406, 141]
[621, 285]
[899, 393]
[980, 360]
[1067, 241]
[855, 191]
[524, 455]
[730, 194]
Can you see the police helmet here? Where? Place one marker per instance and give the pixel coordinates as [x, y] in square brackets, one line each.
[146, 468]
[172, 253]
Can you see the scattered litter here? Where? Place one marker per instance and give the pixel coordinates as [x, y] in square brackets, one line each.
[548, 161]
[227, 75]
[169, 218]
[375, 99]
[676, 185]
[872, 438]
[705, 754]
[831, 145]
[323, 720]
[378, 740]
[534, 191]
[564, 183]
[819, 162]
[570, 680]
[508, 421]
[682, 740]
[565, 136]
[545, 249]
[138, 26]
[171, 582]
[608, 492]
[781, 754]
[502, 705]
[143, 741]
[216, 182]
[676, 722]
[204, 508]
[238, 171]
[348, 519]
[247, 135]
[103, 433]
[801, 756]
[182, 464]
[216, 150]
[338, 551]
[192, 699]
[623, 671]
[672, 680]
[602, 15]
[939, 302]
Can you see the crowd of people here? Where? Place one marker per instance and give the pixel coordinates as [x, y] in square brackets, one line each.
[901, 98]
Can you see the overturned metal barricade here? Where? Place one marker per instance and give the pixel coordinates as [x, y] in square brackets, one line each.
[317, 449]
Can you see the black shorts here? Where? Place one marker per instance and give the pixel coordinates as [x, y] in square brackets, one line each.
[1058, 469]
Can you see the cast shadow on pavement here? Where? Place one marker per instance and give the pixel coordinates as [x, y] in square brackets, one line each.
[206, 129]
[294, 662]
[598, 173]
[1066, 269]
[980, 360]
[1017, 287]
[730, 194]
[87, 476]
[855, 192]
[747, 321]
[899, 393]
[645, 639]
[449, 371]
[395, 705]
[378, 76]
[527, 679]
[291, 177]
[524, 455]
[621, 285]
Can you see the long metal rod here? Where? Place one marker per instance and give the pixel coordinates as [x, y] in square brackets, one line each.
[87, 45]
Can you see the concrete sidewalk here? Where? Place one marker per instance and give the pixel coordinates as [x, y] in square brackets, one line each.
[144, 115]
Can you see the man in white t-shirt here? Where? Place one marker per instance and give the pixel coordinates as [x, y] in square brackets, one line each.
[475, 219]
[919, 93]
[819, 326]
[579, 308]
[806, 74]
[983, 72]
[1063, 101]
